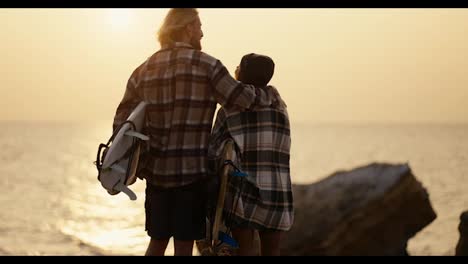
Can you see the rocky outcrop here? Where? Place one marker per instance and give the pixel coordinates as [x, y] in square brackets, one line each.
[462, 246]
[371, 210]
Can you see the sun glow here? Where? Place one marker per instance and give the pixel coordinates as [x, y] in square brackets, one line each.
[119, 18]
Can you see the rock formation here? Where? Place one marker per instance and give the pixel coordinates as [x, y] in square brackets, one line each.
[462, 246]
[371, 210]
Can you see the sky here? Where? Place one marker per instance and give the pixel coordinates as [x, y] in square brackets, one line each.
[332, 65]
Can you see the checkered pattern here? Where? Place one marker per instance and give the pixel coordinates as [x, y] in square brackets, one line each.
[182, 86]
[263, 145]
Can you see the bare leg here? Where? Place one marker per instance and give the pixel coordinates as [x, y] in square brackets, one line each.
[183, 247]
[244, 237]
[271, 241]
[157, 247]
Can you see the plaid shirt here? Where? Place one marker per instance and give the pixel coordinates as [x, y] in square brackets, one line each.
[263, 142]
[182, 86]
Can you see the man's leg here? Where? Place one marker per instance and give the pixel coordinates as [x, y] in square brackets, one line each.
[270, 242]
[158, 219]
[190, 215]
[183, 247]
[157, 247]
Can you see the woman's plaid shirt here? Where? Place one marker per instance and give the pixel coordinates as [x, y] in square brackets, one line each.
[263, 142]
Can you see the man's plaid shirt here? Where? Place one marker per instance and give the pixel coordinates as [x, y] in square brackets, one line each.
[182, 86]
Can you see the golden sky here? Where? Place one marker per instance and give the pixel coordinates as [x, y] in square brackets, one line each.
[332, 65]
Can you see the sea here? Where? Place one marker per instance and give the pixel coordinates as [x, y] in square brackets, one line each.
[52, 204]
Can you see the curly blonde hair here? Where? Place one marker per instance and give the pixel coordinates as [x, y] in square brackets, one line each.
[174, 23]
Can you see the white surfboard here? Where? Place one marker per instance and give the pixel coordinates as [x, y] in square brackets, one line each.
[117, 167]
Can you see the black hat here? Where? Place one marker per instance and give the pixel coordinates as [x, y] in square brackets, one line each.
[256, 69]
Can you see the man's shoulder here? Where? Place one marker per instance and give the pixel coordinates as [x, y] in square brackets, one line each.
[184, 55]
[205, 57]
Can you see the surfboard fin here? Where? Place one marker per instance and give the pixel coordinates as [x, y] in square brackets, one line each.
[137, 135]
[124, 188]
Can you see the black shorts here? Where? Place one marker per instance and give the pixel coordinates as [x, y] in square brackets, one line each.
[176, 212]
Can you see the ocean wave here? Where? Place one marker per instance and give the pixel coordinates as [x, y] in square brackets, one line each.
[4, 252]
[84, 248]
[52, 243]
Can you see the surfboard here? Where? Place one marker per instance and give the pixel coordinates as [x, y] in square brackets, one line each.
[216, 241]
[118, 163]
[208, 246]
[227, 155]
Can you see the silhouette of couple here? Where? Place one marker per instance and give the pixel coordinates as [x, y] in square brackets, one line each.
[182, 86]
